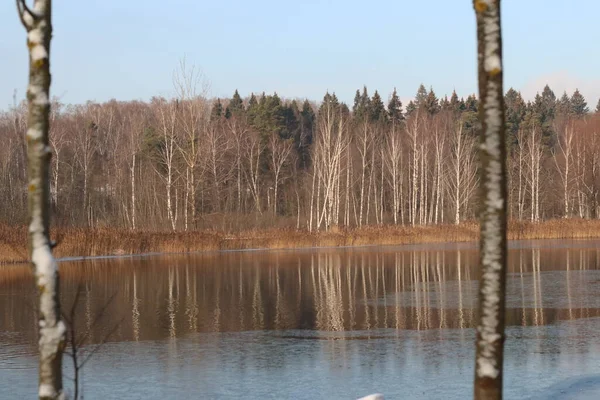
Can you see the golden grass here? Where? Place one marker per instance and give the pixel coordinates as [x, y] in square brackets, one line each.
[109, 241]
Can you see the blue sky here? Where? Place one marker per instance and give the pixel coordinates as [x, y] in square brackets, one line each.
[127, 50]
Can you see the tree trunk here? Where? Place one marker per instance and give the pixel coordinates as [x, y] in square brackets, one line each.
[38, 24]
[490, 327]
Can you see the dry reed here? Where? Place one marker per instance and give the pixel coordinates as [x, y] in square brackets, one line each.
[73, 242]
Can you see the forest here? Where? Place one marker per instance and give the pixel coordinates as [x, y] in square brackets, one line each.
[260, 161]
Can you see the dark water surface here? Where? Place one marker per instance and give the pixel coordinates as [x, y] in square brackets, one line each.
[313, 324]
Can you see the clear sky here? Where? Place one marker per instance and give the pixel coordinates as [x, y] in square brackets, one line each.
[105, 49]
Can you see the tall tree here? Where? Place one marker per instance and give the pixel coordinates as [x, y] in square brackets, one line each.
[38, 24]
[236, 105]
[432, 104]
[578, 104]
[515, 112]
[563, 106]
[395, 108]
[217, 111]
[377, 111]
[490, 327]
[421, 96]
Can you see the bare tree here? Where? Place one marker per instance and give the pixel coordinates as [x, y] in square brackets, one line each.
[191, 88]
[280, 150]
[490, 326]
[463, 174]
[38, 23]
[564, 164]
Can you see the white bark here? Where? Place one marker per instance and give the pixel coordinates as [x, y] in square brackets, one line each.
[51, 328]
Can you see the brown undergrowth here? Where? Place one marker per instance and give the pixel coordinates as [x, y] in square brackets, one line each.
[74, 242]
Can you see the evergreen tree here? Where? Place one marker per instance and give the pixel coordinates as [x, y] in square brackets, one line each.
[542, 114]
[252, 102]
[304, 136]
[598, 106]
[362, 105]
[236, 105]
[377, 109]
[432, 105]
[579, 106]
[356, 105]
[421, 97]
[217, 111]
[515, 109]
[445, 104]
[471, 104]
[395, 108]
[455, 105]
[410, 108]
[563, 106]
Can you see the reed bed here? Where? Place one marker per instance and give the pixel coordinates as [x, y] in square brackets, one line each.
[73, 242]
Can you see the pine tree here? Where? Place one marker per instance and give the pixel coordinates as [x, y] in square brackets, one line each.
[579, 106]
[395, 108]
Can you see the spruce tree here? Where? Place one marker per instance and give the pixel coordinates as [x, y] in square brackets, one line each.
[432, 105]
[236, 105]
[563, 106]
[445, 104]
[515, 109]
[217, 111]
[356, 105]
[410, 108]
[542, 114]
[579, 106]
[455, 103]
[421, 97]
[395, 108]
[377, 109]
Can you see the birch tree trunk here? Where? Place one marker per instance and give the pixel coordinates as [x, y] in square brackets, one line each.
[490, 326]
[38, 23]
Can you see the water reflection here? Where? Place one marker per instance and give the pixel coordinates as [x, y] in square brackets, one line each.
[327, 291]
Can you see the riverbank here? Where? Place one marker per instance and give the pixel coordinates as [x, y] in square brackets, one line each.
[74, 242]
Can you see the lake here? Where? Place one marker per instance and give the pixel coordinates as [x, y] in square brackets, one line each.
[313, 324]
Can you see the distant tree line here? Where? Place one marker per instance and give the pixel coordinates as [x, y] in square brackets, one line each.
[229, 164]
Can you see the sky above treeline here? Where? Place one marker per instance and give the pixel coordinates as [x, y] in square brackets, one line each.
[129, 49]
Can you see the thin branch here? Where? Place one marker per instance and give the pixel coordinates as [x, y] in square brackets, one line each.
[22, 9]
[102, 342]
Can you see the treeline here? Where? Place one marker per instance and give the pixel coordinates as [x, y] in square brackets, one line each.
[233, 164]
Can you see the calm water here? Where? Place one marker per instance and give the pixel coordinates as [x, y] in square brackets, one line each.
[314, 324]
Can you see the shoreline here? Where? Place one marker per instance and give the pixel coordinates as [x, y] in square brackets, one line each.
[82, 243]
